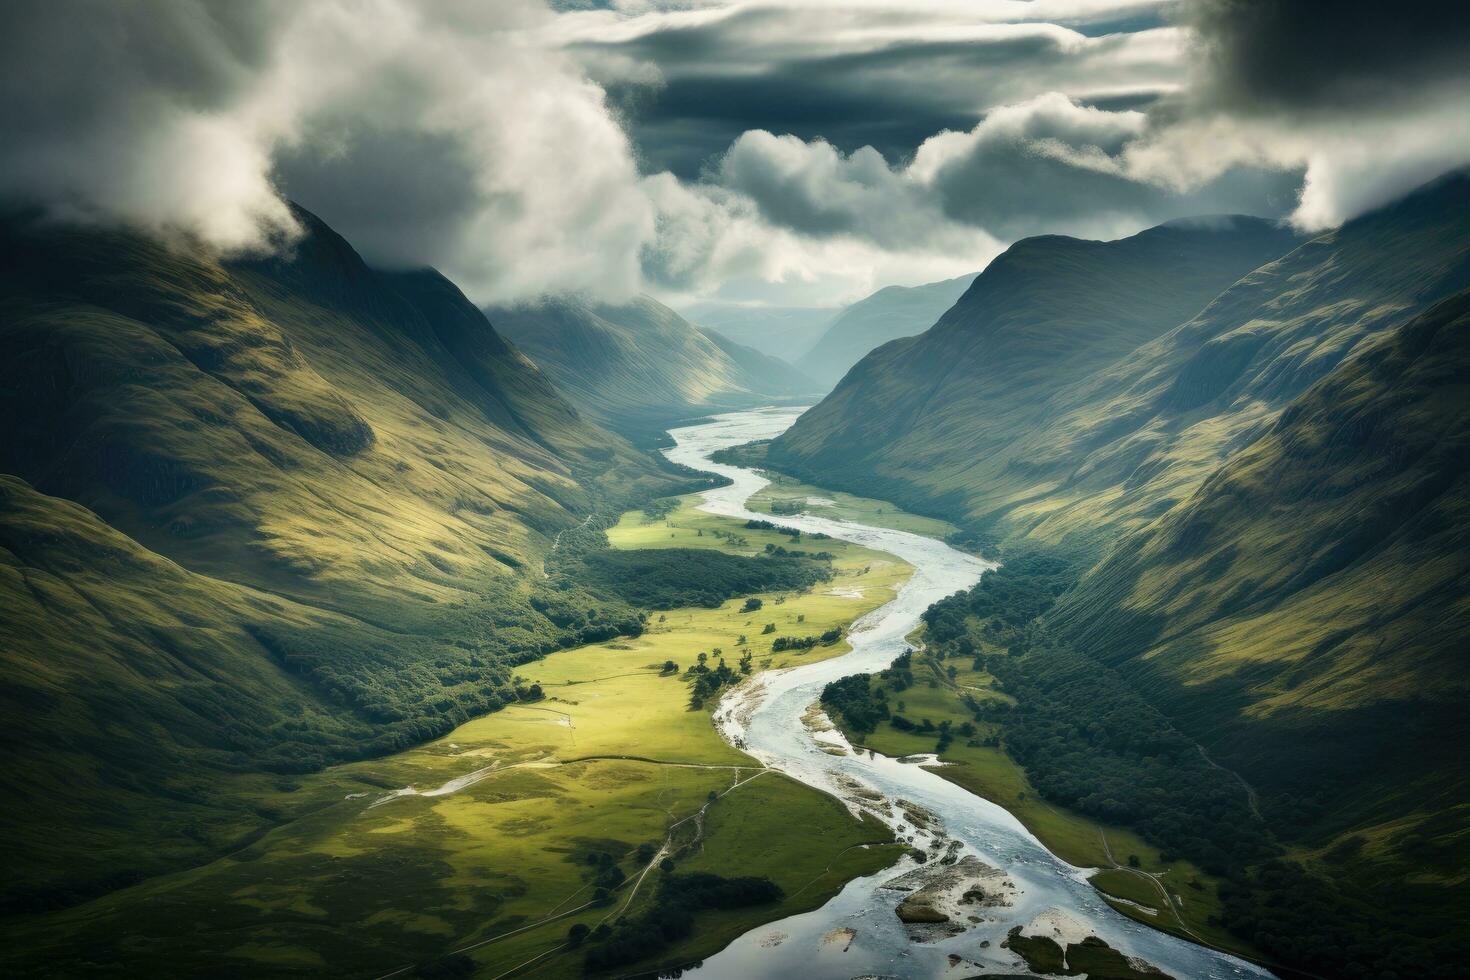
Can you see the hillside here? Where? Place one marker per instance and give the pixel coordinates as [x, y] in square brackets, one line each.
[1312, 596]
[888, 314]
[1055, 401]
[640, 364]
[939, 421]
[274, 513]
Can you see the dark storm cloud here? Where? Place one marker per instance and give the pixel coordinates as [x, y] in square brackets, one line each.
[1338, 55]
[882, 78]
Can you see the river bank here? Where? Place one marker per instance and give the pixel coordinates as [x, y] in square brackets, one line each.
[765, 719]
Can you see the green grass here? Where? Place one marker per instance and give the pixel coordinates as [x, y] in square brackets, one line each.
[608, 760]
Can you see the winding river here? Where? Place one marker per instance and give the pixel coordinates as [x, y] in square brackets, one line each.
[764, 718]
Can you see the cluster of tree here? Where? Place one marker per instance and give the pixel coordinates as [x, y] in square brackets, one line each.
[671, 916]
[709, 681]
[1303, 918]
[1007, 600]
[664, 578]
[660, 507]
[417, 685]
[805, 642]
[780, 552]
[860, 704]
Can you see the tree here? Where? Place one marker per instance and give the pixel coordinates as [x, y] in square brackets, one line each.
[645, 852]
[769, 628]
[666, 865]
[1133, 861]
[577, 934]
[670, 667]
[751, 605]
[702, 658]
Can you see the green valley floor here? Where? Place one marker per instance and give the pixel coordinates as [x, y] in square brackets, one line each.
[480, 851]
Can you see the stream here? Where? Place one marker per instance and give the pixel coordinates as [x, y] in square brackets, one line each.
[856, 933]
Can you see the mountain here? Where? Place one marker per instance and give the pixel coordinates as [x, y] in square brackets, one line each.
[888, 314]
[786, 332]
[638, 365]
[256, 517]
[947, 421]
[1304, 616]
[1304, 612]
[1267, 505]
[772, 372]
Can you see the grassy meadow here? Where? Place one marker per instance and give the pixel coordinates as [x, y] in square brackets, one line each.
[515, 818]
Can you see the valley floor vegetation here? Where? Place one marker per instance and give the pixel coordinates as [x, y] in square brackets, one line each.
[596, 822]
[1075, 752]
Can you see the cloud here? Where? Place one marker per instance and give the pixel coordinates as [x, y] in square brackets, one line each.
[1367, 99]
[428, 134]
[1332, 55]
[881, 74]
[791, 151]
[144, 113]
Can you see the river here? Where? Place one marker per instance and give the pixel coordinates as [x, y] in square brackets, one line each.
[857, 932]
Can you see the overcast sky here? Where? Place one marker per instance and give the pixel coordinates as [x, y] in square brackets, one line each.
[795, 152]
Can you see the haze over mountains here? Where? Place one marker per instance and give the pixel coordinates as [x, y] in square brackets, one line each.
[784, 332]
[634, 366]
[888, 314]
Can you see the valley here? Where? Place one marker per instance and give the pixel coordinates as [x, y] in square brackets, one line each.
[487, 857]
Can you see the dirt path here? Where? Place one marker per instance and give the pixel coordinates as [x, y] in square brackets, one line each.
[1163, 889]
[556, 542]
[1250, 791]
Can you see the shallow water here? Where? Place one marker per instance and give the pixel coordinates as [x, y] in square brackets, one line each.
[764, 719]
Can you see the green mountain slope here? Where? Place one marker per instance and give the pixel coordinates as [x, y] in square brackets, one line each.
[636, 365]
[258, 516]
[888, 314]
[1306, 612]
[938, 421]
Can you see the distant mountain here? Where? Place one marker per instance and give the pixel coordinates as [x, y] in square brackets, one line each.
[771, 372]
[786, 332]
[257, 517]
[958, 419]
[888, 314]
[639, 365]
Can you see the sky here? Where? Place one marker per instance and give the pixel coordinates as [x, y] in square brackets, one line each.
[783, 152]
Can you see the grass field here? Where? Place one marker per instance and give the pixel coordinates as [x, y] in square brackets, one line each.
[489, 854]
[837, 505]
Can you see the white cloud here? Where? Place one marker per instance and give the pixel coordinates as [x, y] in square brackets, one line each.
[478, 137]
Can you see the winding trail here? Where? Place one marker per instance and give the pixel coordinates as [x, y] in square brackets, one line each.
[1250, 791]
